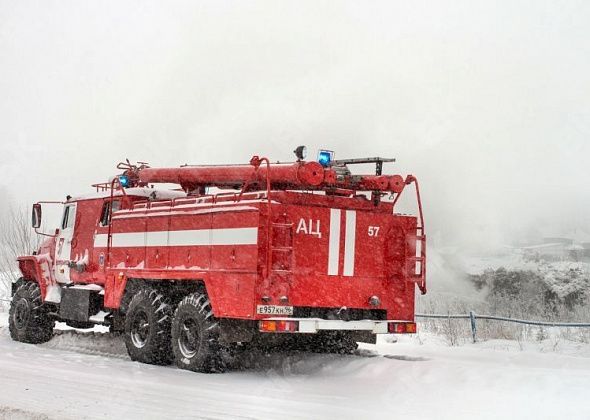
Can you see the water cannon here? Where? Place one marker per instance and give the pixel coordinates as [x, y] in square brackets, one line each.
[325, 174]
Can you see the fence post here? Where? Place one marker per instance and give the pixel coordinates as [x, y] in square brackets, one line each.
[473, 326]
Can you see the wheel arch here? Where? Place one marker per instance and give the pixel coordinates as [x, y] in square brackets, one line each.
[37, 268]
[175, 290]
[119, 296]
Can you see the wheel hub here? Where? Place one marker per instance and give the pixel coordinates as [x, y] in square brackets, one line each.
[140, 329]
[22, 313]
[188, 341]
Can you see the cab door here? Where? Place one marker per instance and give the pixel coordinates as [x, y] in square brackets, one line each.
[63, 244]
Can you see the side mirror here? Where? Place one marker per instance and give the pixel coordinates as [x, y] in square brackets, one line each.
[36, 216]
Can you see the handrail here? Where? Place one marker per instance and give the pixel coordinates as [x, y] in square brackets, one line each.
[256, 162]
[109, 232]
[421, 278]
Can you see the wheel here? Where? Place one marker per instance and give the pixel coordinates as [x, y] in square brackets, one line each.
[147, 328]
[29, 319]
[195, 336]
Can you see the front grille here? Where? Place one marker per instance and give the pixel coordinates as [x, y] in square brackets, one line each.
[343, 314]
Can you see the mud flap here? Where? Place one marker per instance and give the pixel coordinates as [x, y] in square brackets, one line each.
[75, 304]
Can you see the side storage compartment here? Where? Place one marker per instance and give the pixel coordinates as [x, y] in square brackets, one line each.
[234, 262]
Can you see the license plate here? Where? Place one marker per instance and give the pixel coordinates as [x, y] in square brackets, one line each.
[274, 310]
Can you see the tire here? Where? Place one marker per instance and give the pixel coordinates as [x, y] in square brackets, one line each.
[147, 328]
[195, 336]
[29, 319]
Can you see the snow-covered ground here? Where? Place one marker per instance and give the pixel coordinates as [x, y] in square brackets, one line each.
[88, 375]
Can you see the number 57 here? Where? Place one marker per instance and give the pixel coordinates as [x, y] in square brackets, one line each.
[373, 230]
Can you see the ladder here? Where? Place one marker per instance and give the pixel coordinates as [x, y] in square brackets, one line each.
[416, 264]
[281, 249]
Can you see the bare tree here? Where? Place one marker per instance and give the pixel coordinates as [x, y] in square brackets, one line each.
[16, 238]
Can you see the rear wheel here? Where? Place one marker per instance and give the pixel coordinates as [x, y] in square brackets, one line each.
[29, 319]
[195, 336]
[147, 328]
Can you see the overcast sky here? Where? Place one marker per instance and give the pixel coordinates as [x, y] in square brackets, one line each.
[488, 103]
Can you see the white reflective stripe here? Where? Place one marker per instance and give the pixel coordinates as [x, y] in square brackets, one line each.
[100, 241]
[157, 238]
[127, 239]
[230, 236]
[189, 237]
[334, 244]
[349, 242]
[234, 236]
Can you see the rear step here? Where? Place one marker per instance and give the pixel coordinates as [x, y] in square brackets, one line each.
[313, 325]
[100, 317]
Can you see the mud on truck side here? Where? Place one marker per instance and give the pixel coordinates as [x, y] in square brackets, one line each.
[302, 254]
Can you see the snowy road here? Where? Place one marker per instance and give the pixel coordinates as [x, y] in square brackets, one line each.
[64, 379]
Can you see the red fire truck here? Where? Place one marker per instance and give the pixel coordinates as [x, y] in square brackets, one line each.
[303, 253]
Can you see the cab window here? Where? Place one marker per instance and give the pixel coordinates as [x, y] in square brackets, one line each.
[106, 211]
[68, 217]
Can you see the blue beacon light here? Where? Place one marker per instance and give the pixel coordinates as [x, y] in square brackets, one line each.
[325, 157]
[124, 181]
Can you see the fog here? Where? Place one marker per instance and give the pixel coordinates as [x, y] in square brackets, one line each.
[487, 103]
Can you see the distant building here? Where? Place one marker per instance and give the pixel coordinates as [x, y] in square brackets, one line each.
[557, 240]
[552, 249]
[574, 247]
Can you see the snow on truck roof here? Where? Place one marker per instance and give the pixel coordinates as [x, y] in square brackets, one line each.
[156, 194]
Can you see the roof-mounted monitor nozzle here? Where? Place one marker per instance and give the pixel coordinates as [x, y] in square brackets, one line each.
[326, 174]
[378, 161]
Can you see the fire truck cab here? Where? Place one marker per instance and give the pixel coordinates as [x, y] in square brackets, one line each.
[304, 254]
